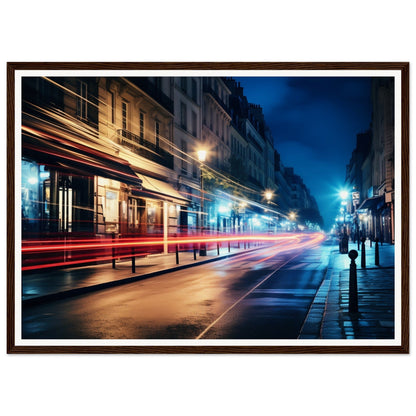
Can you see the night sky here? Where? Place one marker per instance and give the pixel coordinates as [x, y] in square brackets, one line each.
[314, 122]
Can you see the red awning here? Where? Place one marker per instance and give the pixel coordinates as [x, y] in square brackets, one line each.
[62, 153]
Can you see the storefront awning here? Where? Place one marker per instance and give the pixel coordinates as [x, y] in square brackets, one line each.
[71, 157]
[160, 189]
[373, 203]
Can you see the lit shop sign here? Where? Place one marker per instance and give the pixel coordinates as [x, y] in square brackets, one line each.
[355, 198]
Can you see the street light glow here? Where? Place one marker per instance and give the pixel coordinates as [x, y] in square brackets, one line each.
[344, 194]
[268, 195]
[202, 155]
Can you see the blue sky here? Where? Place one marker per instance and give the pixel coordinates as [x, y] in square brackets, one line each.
[314, 122]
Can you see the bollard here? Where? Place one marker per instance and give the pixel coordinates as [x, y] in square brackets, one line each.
[353, 295]
[218, 248]
[358, 244]
[371, 242]
[377, 255]
[194, 252]
[177, 254]
[133, 261]
[229, 246]
[343, 244]
[203, 245]
[113, 250]
[363, 252]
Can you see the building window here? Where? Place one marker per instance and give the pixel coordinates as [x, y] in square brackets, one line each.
[184, 149]
[141, 127]
[124, 117]
[157, 134]
[183, 116]
[158, 83]
[82, 104]
[194, 124]
[194, 90]
[184, 84]
[112, 108]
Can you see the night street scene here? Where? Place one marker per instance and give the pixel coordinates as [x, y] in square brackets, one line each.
[207, 208]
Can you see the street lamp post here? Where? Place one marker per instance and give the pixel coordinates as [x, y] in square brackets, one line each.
[202, 155]
[344, 236]
[292, 220]
[268, 195]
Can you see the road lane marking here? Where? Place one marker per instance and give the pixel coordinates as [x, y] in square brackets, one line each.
[244, 296]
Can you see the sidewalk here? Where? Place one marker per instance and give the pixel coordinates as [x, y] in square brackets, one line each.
[55, 284]
[329, 317]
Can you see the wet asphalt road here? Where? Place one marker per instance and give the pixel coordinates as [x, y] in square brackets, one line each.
[261, 295]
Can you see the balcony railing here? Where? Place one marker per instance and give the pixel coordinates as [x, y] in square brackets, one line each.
[154, 91]
[145, 148]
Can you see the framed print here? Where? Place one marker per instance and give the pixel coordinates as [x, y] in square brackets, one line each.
[208, 207]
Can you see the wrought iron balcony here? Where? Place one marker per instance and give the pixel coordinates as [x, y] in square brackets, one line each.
[145, 148]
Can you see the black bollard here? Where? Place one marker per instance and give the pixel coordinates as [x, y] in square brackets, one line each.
[353, 295]
[133, 261]
[194, 252]
[113, 250]
[202, 246]
[377, 255]
[229, 246]
[177, 254]
[218, 248]
[363, 252]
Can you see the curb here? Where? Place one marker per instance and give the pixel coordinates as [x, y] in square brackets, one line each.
[312, 325]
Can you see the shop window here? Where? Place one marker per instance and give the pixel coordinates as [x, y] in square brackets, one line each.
[154, 217]
[135, 215]
[36, 199]
[111, 206]
[65, 205]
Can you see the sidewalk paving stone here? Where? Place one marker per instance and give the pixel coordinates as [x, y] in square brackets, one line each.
[375, 288]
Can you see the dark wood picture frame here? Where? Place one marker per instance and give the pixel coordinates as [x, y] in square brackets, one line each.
[403, 67]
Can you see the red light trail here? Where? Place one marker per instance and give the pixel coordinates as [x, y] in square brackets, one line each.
[35, 254]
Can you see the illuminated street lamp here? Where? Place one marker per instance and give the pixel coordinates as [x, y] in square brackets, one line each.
[268, 195]
[202, 155]
[343, 194]
[292, 216]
